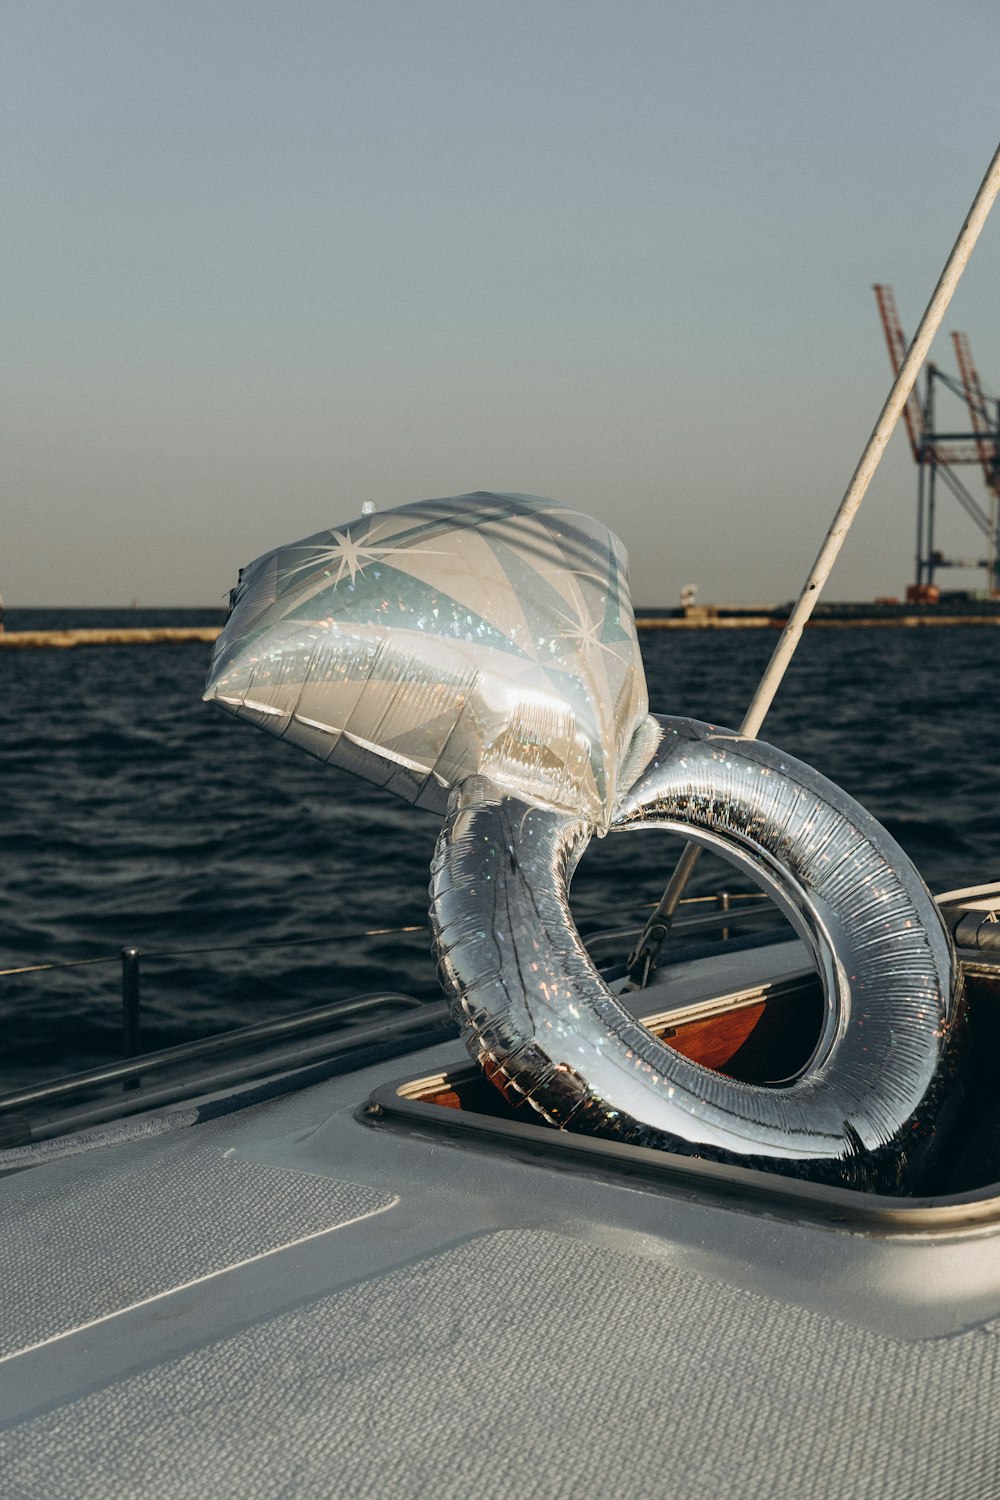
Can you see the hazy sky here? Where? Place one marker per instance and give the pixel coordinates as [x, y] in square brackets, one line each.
[264, 261]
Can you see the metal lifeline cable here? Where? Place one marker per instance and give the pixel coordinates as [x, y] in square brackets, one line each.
[337, 937]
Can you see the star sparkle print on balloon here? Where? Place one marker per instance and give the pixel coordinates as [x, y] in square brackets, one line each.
[485, 633]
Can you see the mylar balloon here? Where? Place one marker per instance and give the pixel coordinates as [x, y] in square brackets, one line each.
[478, 655]
[418, 646]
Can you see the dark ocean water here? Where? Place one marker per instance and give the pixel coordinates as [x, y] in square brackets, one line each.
[132, 813]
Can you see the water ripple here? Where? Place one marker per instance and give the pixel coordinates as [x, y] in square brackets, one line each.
[134, 813]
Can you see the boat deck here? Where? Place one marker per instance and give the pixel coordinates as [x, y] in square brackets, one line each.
[308, 1297]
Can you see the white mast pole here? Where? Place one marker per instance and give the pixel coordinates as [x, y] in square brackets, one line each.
[646, 952]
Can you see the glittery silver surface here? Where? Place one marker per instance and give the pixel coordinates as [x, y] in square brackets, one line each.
[416, 647]
[482, 649]
[538, 1016]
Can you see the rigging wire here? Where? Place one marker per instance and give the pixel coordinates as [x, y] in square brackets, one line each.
[645, 955]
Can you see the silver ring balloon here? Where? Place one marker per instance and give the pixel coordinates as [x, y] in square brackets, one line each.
[538, 1016]
[477, 655]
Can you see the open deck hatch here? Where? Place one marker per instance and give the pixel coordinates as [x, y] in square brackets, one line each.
[763, 1034]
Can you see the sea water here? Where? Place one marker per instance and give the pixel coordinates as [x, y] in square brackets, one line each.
[134, 814]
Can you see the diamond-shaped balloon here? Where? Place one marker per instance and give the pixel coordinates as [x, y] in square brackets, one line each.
[481, 634]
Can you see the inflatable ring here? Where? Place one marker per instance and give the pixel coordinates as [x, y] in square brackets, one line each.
[533, 1010]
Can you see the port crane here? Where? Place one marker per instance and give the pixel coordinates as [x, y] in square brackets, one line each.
[937, 453]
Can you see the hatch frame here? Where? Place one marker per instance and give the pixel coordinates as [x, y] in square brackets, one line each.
[402, 1104]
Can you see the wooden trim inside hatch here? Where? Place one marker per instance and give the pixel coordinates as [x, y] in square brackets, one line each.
[761, 1037]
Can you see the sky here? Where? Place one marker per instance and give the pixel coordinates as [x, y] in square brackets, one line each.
[263, 262]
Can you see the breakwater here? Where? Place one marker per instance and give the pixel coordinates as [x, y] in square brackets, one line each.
[183, 635]
[821, 622]
[155, 636]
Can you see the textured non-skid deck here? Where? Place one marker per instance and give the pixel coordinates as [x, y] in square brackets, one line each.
[86, 1238]
[526, 1363]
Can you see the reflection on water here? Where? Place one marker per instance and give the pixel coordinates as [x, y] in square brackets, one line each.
[134, 813]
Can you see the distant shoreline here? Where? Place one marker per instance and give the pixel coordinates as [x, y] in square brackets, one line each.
[823, 622]
[206, 634]
[154, 636]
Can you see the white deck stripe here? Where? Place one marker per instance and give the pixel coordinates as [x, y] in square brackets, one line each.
[183, 1286]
